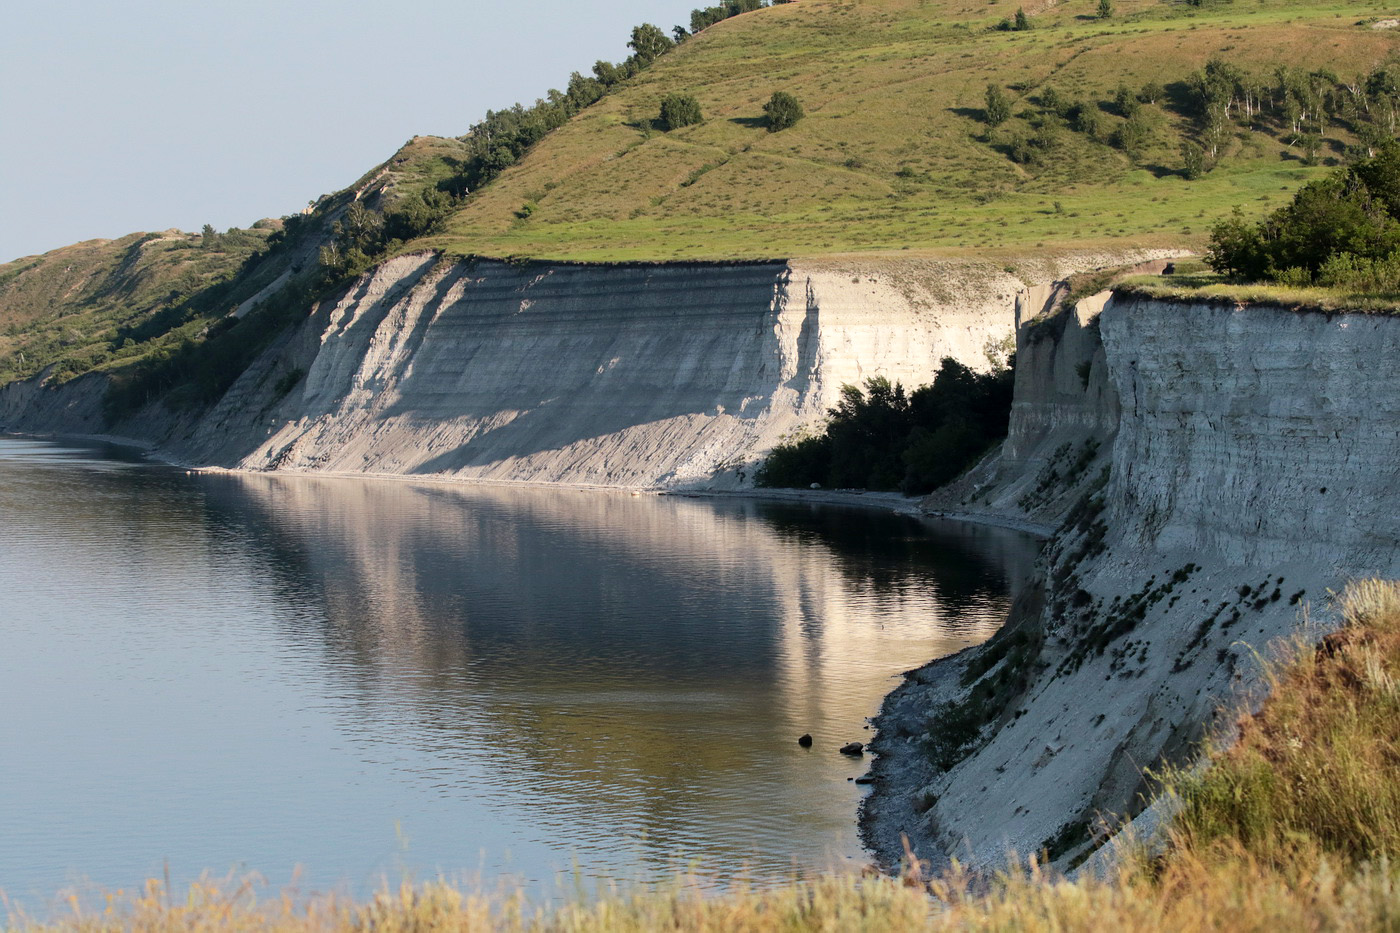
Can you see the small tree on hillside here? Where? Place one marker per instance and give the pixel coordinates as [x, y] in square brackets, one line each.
[1022, 21]
[998, 106]
[678, 110]
[649, 42]
[1105, 9]
[783, 110]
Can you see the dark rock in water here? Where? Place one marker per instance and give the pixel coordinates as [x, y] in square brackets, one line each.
[855, 748]
[866, 779]
[805, 741]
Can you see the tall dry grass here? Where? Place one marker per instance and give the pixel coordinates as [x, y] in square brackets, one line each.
[1292, 828]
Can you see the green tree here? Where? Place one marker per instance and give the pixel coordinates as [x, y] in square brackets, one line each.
[678, 110]
[1022, 21]
[1105, 9]
[1351, 213]
[998, 109]
[1193, 160]
[782, 110]
[649, 43]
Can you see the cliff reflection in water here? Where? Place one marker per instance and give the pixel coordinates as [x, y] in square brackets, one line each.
[217, 672]
[603, 670]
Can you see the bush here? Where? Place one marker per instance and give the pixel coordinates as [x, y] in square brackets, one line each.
[782, 110]
[998, 109]
[1355, 212]
[678, 110]
[881, 437]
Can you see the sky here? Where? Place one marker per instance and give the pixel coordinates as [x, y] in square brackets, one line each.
[118, 116]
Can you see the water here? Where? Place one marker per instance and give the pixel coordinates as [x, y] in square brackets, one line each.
[371, 678]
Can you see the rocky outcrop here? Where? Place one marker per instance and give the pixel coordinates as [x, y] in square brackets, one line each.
[1254, 460]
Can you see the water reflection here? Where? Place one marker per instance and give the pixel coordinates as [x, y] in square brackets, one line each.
[360, 676]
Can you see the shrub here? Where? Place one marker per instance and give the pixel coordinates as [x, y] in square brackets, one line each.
[998, 109]
[678, 110]
[1354, 212]
[880, 437]
[782, 110]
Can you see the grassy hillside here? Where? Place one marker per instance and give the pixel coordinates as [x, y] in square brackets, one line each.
[1294, 828]
[894, 152]
[141, 307]
[84, 306]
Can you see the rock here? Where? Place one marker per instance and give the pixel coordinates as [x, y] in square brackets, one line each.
[816, 486]
[805, 741]
[866, 779]
[855, 748]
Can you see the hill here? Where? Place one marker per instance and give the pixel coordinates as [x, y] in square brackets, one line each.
[895, 151]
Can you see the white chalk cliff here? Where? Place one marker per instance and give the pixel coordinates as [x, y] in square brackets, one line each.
[1254, 454]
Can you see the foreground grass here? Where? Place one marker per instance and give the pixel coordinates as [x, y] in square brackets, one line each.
[1293, 827]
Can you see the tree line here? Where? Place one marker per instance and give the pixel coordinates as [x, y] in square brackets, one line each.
[1342, 231]
[1301, 107]
[882, 437]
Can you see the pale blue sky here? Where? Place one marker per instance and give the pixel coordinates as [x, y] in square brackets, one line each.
[147, 114]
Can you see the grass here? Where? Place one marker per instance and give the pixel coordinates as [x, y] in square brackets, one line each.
[1199, 284]
[1293, 827]
[78, 308]
[893, 153]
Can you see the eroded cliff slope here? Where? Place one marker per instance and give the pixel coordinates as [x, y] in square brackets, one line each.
[625, 376]
[1254, 452]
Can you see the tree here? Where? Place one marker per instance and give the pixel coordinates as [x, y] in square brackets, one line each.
[783, 110]
[649, 43]
[210, 238]
[1347, 214]
[1105, 9]
[1193, 161]
[678, 110]
[998, 106]
[1023, 22]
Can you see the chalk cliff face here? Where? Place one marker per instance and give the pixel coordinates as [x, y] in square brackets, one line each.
[678, 375]
[633, 376]
[1254, 456]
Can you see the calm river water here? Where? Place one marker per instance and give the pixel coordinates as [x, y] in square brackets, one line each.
[370, 678]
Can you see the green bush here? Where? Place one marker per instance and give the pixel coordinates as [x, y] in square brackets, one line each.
[881, 437]
[678, 110]
[1355, 213]
[782, 110]
[998, 109]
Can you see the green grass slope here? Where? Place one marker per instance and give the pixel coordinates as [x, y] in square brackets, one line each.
[92, 304]
[894, 152]
[140, 308]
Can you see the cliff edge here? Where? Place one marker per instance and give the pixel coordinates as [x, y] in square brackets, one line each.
[1230, 467]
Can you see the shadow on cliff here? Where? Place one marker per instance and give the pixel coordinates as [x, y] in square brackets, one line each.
[542, 363]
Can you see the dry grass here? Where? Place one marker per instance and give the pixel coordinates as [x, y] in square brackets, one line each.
[1207, 286]
[1292, 828]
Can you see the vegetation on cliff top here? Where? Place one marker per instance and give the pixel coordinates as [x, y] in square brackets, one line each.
[1335, 246]
[1294, 828]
